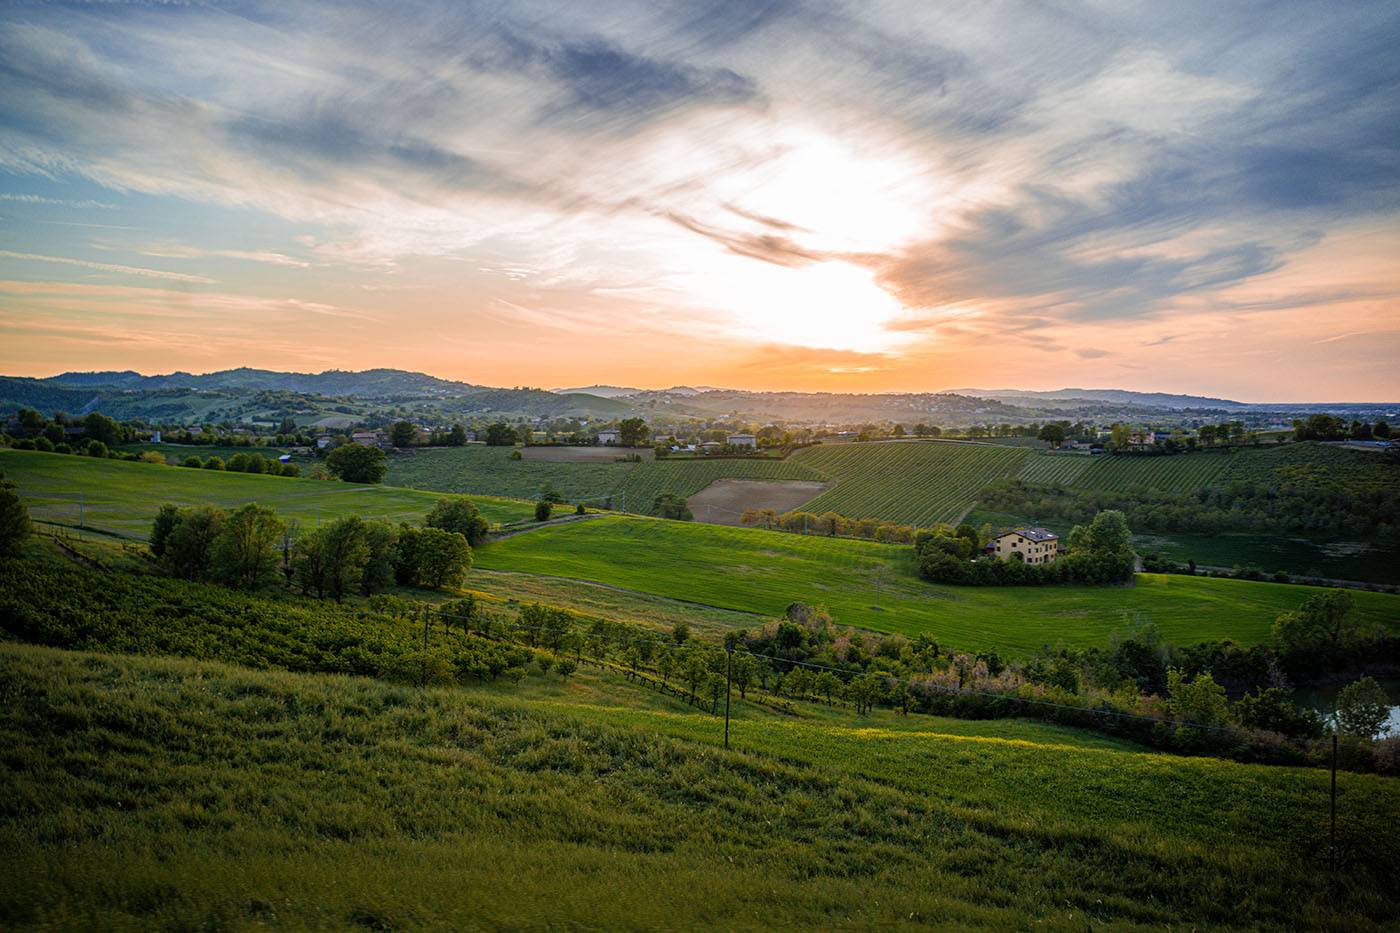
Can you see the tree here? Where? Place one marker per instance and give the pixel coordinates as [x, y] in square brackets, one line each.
[460, 515]
[543, 509]
[1053, 434]
[356, 463]
[214, 463]
[1108, 535]
[193, 462]
[382, 540]
[402, 433]
[1119, 435]
[1200, 701]
[96, 449]
[669, 505]
[1272, 710]
[99, 427]
[1321, 625]
[633, 432]
[189, 548]
[331, 560]
[288, 426]
[244, 556]
[550, 493]
[166, 520]
[457, 437]
[31, 422]
[15, 526]
[442, 557]
[680, 633]
[500, 434]
[1363, 708]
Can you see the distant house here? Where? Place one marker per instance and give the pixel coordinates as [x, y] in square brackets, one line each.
[1035, 545]
[1142, 439]
[370, 439]
[741, 440]
[155, 437]
[323, 441]
[609, 436]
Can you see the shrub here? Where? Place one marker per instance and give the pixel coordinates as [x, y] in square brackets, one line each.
[213, 463]
[193, 462]
[460, 515]
[543, 510]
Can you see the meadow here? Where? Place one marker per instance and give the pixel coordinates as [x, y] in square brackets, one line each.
[876, 586]
[148, 793]
[122, 498]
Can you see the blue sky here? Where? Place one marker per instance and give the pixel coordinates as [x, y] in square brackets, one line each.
[862, 197]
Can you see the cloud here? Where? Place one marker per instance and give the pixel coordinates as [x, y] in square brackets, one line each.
[57, 202]
[1091, 353]
[108, 267]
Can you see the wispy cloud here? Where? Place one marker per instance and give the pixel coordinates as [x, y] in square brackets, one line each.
[56, 202]
[108, 267]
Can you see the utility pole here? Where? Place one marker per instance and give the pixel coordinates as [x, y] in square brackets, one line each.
[728, 679]
[1332, 847]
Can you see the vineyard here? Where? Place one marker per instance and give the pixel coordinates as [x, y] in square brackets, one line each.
[1181, 473]
[645, 481]
[914, 483]
[1054, 468]
[1315, 465]
[477, 470]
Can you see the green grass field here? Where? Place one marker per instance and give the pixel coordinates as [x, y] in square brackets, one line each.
[1180, 473]
[911, 482]
[142, 793]
[762, 572]
[176, 453]
[123, 498]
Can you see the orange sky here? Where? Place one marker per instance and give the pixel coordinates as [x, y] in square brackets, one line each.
[852, 199]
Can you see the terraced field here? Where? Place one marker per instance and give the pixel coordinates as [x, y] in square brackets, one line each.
[911, 482]
[645, 481]
[1181, 473]
[1054, 468]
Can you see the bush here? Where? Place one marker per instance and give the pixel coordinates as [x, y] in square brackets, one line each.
[44, 444]
[355, 463]
[15, 526]
[213, 463]
[543, 510]
[96, 449]
[63, 448]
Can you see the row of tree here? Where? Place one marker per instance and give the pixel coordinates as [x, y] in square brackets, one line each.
[253, 548]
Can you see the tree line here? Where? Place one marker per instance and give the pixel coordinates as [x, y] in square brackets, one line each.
[252, 548]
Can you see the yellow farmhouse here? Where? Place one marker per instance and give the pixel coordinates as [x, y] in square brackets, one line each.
[1035, 545]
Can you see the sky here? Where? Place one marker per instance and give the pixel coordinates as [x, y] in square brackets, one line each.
[766, 194]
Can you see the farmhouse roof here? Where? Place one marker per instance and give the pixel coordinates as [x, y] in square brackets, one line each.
[1035, 534]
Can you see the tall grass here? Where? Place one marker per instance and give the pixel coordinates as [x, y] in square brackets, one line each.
[144, 793]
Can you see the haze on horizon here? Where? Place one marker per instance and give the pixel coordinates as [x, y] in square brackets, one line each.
[773, 195]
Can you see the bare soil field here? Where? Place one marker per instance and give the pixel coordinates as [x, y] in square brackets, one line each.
[584, 454]
[723, 502]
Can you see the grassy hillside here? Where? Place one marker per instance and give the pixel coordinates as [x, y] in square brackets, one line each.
[911, 482]
[122, 498]
[762, 572]
[141, 793]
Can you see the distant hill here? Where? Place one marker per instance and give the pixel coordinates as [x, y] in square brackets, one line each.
[600, 391]
[1114, 396]
[371, 383]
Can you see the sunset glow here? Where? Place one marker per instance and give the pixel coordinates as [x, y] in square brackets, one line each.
[872, 198]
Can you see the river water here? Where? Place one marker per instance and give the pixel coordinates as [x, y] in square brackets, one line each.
[1324, 700]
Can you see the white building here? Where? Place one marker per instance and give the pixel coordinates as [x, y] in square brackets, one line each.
[609, 436]
[741, 440]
